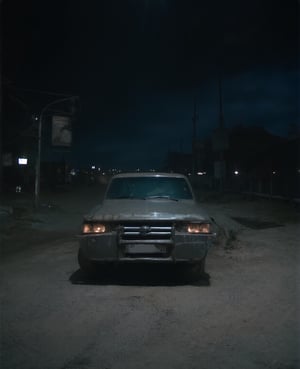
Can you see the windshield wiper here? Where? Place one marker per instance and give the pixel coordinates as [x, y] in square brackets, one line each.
[127, 197]
[161, 197]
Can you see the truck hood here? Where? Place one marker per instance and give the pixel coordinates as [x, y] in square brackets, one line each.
[154, 209]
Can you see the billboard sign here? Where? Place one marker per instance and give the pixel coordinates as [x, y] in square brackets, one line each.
[61, 131]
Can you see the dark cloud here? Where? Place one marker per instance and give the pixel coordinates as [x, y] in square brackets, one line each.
[138, 65]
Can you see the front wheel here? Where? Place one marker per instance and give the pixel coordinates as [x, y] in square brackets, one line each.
[87, 266]
[196, 271]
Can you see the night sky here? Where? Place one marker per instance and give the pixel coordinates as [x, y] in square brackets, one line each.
[138, 65]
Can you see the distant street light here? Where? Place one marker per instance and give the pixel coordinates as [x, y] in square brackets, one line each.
[38, 159]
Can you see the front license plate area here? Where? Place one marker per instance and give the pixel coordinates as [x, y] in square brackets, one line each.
[145, 249]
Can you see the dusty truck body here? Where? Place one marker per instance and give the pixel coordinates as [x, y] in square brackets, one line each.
[146, 218]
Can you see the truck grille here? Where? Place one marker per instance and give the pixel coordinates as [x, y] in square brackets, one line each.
[146, 239]
[143, 232]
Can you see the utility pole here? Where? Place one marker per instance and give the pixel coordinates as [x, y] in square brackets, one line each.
[194, 137]
[221, 112]
[222, 136]
[221, 125]
[220, 143]
[1, 101]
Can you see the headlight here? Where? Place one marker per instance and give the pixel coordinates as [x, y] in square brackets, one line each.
[93, 228]
[199, 228]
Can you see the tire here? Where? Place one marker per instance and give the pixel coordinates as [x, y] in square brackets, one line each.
[87, 266]
[196, 271]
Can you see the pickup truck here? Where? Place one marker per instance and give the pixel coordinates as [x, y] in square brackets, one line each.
[146, 218]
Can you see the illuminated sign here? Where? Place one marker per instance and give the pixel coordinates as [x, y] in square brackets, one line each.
[22, 161]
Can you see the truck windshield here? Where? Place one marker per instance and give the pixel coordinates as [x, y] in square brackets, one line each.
[149, 187]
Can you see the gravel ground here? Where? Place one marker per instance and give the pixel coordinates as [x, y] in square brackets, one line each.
[52, 317]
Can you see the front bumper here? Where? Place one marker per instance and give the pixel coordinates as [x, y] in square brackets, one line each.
[182, 248]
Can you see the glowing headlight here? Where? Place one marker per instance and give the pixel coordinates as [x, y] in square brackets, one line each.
[93, 228]
[199, 228]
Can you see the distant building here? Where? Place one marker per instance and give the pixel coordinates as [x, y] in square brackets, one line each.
[179, 162]
[259, 161]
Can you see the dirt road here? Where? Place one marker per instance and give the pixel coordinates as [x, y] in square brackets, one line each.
[247, 317]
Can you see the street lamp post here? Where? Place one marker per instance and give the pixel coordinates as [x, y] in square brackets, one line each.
[38, 159]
